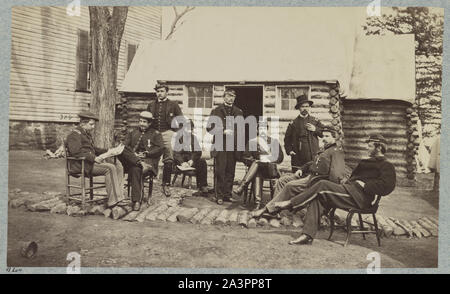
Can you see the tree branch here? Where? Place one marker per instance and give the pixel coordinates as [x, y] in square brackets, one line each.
[178, 16]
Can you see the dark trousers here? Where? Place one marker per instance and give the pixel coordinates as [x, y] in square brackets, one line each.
[130, 161]
[321, 197]
[201, 172]
[225, 168]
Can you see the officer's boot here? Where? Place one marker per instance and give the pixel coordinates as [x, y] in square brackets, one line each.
[249, 176]
[258, 191]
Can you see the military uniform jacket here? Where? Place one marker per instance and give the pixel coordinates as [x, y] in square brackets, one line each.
[190, 150]
[173, 110]
[221, 112]
[303, 142]
[80, 144]
[328, 164]
[379, 177]
[151, 142]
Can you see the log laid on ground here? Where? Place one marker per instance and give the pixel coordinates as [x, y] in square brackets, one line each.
[15, 203]
[433, 220]
[397, 230]
[186, 215]
[154, 213]
[74, 210]
[38, 198]
[164, 215]
[275, 223]
[120, 211]
[404, 226]
[429, 223]
[174, 202]
[297, 221]
[59, 208]
[53, 193]
[131, 216]
[415, 229]
[286, 221]
[173, 217]
[45, 205]
[263, 222]
[107, 212]
[197, 218]
[385, 227]
[233, 219]
[144, 212]
[210, 217]
[243, 218]
[222, 217]
[251, 223]
[433, 231]
[97, 209]
[422, 230]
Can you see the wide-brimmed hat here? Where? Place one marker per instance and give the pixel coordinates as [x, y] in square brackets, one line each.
[302, 99]
[377, 138]
[146, 115]
[88, 114]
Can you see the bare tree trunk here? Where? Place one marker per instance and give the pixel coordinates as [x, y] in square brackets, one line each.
[175, 23]
[106, 28]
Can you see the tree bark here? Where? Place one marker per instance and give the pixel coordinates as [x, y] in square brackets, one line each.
[106, 30]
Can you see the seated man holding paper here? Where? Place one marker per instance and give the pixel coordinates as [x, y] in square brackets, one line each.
[80, 144]
[261, 155]
[187, 155]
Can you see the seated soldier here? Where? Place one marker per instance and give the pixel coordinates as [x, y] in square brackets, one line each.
[143, 147]
[188, 153]
[328, 164]
[372, 176]
[80, 144]
[262, 162]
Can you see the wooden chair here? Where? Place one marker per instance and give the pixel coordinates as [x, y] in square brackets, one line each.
[82, 185]
[188, 173]
[348, 224]
[148, 179]
[249, 191]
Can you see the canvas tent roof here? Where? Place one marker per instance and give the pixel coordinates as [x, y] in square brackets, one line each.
[265, 45]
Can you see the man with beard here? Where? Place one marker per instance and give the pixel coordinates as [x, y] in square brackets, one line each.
[301, 138]
[143, 147]
[225, 160]
[164, 111]
[328, 164]
[80, 144]
[372, 176]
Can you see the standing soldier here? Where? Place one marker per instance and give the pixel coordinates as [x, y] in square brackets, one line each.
[225, 160]
[301, 140]
[164, 111]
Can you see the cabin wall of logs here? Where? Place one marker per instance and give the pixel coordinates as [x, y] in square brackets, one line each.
[395, 120]
[325, 96]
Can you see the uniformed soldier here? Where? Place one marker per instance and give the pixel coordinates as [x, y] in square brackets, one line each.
[190, 155]
[225, 160]
[301, 139]
[371, 177]
[143, 148]
[80, 144]
[164, 111]
[328, 164]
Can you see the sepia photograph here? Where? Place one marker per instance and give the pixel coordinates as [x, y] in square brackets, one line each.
[224, 137]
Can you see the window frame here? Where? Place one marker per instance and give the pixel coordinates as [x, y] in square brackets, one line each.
[186, 90]
[278, 102]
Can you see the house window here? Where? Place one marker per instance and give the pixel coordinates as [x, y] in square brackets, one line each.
[200, 96]
[288, 96]
[83, 62]
[130, 54]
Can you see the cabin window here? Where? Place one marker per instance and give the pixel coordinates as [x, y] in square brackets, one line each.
[83, 62]
[288, 96]
[200, 96]
[131, 51]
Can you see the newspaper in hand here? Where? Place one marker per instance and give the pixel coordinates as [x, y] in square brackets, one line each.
[185, 167]
[113, 152]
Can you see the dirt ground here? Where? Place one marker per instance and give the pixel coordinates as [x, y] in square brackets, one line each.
[107, 243]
